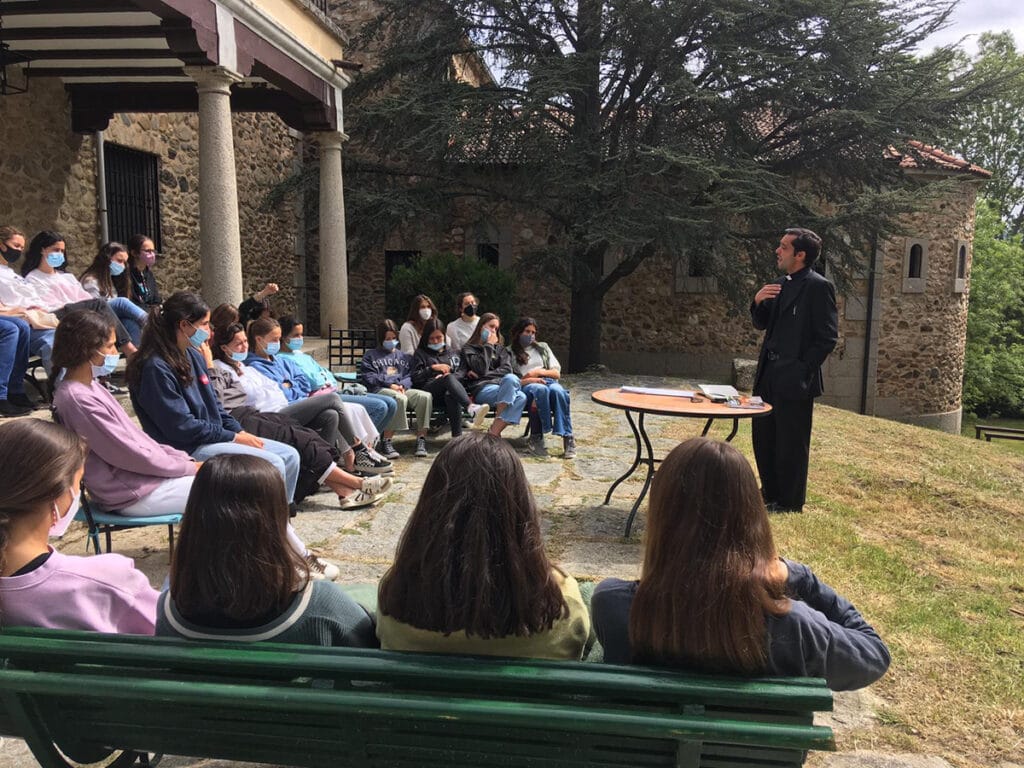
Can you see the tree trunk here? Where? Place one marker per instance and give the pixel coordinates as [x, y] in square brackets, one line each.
[585, 328]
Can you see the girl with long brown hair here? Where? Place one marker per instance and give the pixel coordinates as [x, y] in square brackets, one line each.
[714, 595]
[487, 371]
[470, 573]
[234, 575]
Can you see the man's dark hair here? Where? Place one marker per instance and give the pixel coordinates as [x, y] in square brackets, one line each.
[806, 241]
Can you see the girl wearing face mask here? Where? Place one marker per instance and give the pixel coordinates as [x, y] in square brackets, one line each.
[539, 372]
[338, 423]
[435, 370]
[421, 310]
[126, 470]
[174, 400]
[46, 286]
[379, 408]
[387, 370]
[42, 466]
[107, 279]
[141, 258]
[461, 328]
[260, 406]
[486, 370]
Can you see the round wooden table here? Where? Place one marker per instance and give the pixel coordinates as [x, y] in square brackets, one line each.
[664, 405]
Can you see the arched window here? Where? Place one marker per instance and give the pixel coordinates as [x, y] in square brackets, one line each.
[916, 258]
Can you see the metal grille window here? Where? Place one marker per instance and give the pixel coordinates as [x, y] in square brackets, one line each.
[133, 194]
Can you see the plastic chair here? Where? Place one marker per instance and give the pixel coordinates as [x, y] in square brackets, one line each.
[109, 522]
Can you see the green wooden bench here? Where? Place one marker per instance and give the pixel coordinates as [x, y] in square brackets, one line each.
[94, 694]
[990, 431]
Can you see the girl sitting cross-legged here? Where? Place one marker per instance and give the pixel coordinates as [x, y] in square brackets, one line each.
[715, 597]
[470, 574]
[318, 408]
[435, 370]
[539, 372]
[235, 577]
[486, 370]
[257, 403]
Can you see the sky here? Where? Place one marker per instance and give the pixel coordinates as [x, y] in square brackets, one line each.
[972, 17]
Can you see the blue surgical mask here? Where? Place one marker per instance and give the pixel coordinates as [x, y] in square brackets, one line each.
[296, 344]
[390, 345]
[436, 347]
[527, 339]
[273, 348]
[485, 335]
[239, 357]
[197, 338]
[55, 259]
[108, 367]
[116, 268]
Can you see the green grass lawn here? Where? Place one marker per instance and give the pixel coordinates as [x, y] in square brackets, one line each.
[924, 532]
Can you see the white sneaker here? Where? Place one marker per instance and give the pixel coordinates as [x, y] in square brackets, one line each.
[479, 413]
[359, 499]
[421, 447]
[376, 485]
[321, 570]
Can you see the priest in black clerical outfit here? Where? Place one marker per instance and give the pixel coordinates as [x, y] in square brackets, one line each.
[798, 314]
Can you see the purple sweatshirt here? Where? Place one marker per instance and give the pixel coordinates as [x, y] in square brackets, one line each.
[102, 593]
[124, 463]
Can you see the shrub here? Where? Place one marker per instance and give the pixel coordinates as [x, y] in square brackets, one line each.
[443, 277]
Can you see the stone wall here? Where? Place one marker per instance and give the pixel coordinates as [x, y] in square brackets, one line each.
[47, 173]
[49, 178]
[656, 321]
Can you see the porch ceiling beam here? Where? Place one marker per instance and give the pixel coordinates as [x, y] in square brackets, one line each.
[86, 33]
[34, 7]
[66, 54]
[34, 71]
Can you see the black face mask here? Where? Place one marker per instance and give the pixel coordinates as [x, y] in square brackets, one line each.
[11, 255]
[470, 310]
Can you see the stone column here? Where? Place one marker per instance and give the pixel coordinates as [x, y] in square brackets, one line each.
[333, 247]
[220, 243]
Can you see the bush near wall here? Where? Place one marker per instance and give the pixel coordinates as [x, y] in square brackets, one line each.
[443, 277]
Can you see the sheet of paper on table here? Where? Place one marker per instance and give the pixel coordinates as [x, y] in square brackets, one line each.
[718, 390]
[656, 391]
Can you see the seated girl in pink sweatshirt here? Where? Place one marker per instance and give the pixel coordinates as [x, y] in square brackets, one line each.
[41, 467]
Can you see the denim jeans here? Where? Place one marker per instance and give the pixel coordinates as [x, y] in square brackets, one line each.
[509, 392]
[552, 406]
[41, 343]
[132, 317]
[284, 458]
[14, 342]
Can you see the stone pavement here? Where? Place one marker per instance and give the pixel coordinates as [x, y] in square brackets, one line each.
[582, 535]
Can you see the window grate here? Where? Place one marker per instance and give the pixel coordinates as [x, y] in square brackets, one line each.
[133, 194]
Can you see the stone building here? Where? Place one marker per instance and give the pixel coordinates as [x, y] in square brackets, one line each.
[130, 102]
[176, 118]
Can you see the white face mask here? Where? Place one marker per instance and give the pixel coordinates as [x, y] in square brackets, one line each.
[61, 525]
[426, 313]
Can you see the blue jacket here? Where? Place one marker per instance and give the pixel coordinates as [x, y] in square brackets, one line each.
[182, 416]
[281, 369]
[380, 369]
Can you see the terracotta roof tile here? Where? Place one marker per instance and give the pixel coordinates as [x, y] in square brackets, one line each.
[926, 157]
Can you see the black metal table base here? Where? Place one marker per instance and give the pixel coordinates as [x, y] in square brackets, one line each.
[645, 455]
